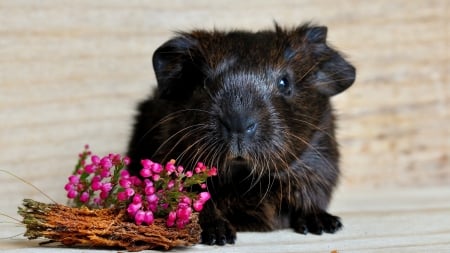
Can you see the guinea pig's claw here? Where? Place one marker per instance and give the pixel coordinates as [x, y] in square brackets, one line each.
[220, 234]
[317, 223]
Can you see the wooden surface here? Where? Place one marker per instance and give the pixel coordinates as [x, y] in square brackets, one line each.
[71, 72]
[388, 220]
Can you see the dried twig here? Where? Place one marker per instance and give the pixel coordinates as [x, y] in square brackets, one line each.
[102, 228]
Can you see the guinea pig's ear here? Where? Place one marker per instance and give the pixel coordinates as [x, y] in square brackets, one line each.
[176, 64]
[334, 73]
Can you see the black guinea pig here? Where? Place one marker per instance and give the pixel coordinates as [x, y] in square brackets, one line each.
[257, 106]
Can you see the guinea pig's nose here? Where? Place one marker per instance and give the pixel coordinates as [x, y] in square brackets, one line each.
[239, 124]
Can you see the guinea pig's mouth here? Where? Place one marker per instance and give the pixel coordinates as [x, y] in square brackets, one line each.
[238, 162]
[239, 168]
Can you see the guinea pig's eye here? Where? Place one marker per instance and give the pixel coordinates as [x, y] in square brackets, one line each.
[283, 86]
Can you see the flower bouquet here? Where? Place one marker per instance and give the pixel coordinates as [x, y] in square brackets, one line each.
[109, 207]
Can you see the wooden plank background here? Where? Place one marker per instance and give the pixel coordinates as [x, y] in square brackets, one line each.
[71, 72]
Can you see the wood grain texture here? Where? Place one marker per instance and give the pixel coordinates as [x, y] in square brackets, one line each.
[387, 220]
[71, 72]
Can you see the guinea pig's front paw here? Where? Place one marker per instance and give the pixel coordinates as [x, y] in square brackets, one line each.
[218, 232]
[317, 223]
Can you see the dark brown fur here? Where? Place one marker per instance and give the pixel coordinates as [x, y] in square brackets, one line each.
[256, 105]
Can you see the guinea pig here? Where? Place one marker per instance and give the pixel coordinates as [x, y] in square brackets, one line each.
[256, 105]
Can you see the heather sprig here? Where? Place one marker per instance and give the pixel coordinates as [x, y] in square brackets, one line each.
[161, 191]
[94, 184]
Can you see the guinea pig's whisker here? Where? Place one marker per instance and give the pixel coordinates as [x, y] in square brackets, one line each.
[314, 66]
[281, 166]
[316, 127]
[186, 132]
[307, 181]
[271, 180]
[173, 117]
[204, 152]
[187, 150]
[214, 154]
[298, 179]
[169, 117]
[256, 173]
[314, 149]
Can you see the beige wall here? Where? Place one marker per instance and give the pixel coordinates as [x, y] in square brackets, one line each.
[72, 71]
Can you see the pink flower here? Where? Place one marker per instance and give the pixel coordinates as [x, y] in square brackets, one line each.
[170, 167]
[106, 163]
[126, 160]
[96, 185]
[96, 179]
[183, 211]
[186, 199]
[124, 174]
[149, 190]
[212, 172]
[148, 217]
[104, 195]
[189, 174]
[115, 158]
[74, 179]
[139, 217]
[71, 194]
[80, 187]
[204, 196]
[107, 187]
[200, 164]
[122, 196]
[104, 173]
[181, 223]
[146, 163]
[125, 183]
[90, 168]
[84, 197]
[148, 182]
[146, 172]
[200, 168]
[152, 198]
[95, 160]
[129, 192]
[153, 207]
[136, 181]
[69, 186]
[137, 199]
[157, 168]
[156, 177]
[171, 219]
[170, 184]
[198, 206]
[133, 208]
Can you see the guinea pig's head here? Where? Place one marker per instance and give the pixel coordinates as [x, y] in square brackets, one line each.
[255, 99]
